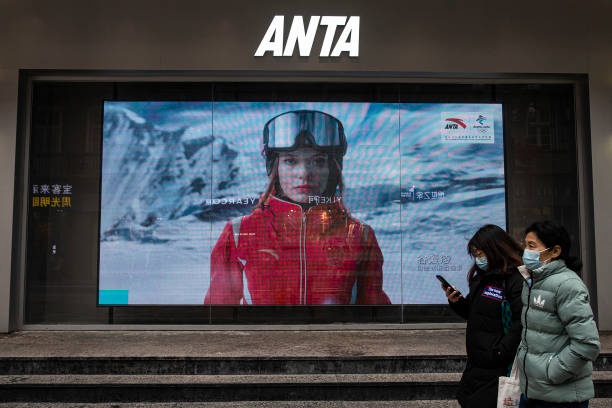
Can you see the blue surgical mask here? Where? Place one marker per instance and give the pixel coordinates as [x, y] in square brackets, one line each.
[531, 259]
[482, 263]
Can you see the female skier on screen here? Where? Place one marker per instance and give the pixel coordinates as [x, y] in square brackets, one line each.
[299, 246]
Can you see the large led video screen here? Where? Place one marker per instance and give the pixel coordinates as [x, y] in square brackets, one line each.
[294, 203]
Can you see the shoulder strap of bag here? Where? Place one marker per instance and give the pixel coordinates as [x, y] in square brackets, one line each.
[506, 311]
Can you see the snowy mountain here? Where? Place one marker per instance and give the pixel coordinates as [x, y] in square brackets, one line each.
[152, 174]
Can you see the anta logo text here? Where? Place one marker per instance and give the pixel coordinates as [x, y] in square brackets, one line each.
[454, 123]
[303, 36]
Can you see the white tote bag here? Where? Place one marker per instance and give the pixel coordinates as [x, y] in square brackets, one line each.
[509, 390]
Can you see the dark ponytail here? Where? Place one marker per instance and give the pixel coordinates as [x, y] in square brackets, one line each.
[552, 233]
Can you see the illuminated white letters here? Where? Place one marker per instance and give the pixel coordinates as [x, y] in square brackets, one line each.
[332, 23]
[351, 30]
[273, 39]
[304, 39]
[275, 31]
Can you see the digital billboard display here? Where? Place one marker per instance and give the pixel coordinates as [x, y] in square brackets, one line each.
[294, 203]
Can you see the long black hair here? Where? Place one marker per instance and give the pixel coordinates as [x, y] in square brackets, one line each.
[502, 251]
[551, 233]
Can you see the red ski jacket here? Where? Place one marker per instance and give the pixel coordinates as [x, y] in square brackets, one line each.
[284, 255]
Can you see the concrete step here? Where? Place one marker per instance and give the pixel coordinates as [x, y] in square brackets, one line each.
[255, 404]
[162, 388]
[226, 379]
[594, 403]
[258, 404]
[239, 365]
[242, 365]
[191, 388]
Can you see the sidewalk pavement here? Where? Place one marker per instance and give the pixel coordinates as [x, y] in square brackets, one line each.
[243, 343]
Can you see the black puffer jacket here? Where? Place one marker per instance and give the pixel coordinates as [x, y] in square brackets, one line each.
[489, 350]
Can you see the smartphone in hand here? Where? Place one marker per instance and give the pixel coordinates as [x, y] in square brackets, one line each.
[445, 283]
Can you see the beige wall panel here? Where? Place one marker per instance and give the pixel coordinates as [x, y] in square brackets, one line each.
[600, 81]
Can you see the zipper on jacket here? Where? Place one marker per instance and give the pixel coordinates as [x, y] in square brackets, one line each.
[525, 338]
[300, 249]
[303, 256]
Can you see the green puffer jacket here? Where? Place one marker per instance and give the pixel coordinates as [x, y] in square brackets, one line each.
[559, 339]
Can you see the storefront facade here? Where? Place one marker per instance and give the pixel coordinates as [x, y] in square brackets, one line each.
[551, 73]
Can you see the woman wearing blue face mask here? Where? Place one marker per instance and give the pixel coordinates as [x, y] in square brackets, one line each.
[560, 338]
[495, 286]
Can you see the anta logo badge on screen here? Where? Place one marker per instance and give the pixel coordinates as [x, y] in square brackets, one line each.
[274, 39]
[466, 127]
[454, 123]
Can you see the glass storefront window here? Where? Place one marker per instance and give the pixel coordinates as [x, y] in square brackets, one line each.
[132, 187]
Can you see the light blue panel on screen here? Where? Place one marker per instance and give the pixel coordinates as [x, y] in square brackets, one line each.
[113, 297]
[452, 163]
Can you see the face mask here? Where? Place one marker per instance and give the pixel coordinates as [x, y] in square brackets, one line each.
[482, 263]
[531, 259]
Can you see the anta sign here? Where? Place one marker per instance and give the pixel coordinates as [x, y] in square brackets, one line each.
[274, 39]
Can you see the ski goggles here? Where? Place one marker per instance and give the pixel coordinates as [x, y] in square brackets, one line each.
[303, 128]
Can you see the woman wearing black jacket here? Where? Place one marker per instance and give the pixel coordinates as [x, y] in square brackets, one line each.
[493, 279]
